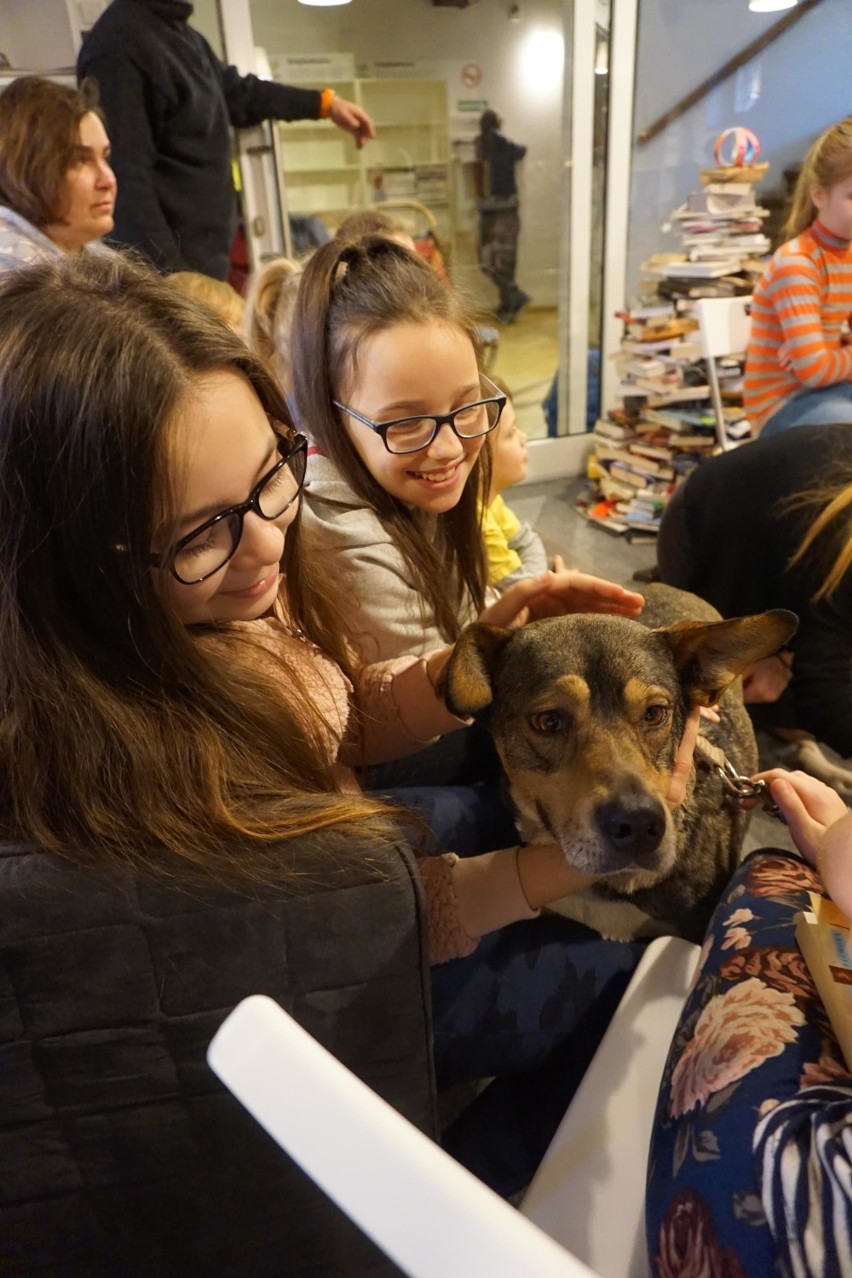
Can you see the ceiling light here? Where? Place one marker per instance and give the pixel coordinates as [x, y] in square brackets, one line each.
[765, 6]
[326, 4]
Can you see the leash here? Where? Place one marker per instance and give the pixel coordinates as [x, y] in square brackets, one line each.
[736, 785]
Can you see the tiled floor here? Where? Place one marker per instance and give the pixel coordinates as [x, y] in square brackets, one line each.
[549, 508]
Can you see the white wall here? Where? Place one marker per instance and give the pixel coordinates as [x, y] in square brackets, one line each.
[513, 82]
[787, 95]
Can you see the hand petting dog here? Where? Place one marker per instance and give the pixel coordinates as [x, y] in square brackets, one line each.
[554, 594]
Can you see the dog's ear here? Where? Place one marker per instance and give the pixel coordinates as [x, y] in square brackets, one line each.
[465, 682]
[709, 657]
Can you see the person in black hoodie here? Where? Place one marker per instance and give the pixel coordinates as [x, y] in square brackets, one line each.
[169, 101]
[499, 220]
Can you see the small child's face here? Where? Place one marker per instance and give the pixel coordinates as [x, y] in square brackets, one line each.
[509, 457]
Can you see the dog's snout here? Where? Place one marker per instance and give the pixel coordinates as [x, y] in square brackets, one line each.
[632, 826]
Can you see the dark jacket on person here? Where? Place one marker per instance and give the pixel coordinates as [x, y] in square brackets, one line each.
[497, 157]
[121, 1153]
[729, 537]
[168, 102]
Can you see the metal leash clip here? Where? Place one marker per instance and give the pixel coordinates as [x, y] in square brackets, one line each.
[742, 787]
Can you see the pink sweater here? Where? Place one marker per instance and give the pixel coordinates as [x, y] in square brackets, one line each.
[399, 714]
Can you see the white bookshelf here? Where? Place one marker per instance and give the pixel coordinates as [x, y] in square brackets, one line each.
[327, 176]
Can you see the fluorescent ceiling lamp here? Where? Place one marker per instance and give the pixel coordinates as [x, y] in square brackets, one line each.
[765, 6]
[326, 4]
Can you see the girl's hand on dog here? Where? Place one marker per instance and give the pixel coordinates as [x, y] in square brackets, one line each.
[683, 760]
[552, 594]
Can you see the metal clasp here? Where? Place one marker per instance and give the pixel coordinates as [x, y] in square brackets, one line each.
[742, 787]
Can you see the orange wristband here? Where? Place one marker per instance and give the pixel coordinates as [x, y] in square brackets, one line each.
[326, 98]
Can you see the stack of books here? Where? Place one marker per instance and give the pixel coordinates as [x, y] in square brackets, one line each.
[721, 230]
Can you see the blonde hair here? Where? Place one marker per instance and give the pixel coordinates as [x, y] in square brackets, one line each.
[218, 295]
[835, 499]
[268, 322]
[828, 162]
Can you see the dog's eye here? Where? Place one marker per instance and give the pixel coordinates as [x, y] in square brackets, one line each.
[655, 716]
[548, 721]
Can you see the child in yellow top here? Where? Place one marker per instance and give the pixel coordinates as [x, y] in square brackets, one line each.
[514, 549]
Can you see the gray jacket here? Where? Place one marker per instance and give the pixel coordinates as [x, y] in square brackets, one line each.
[386, 615]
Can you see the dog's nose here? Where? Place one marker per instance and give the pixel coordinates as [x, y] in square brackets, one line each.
[632, 826]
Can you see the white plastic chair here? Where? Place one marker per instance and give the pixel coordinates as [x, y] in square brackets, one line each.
[724, 328]
[431, 1216]
[417, 1204]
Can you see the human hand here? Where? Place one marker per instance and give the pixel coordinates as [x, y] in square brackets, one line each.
[558, 564]
[682, 766]
[349, 117]
[553, 594]
[766, 680]
[810, 808]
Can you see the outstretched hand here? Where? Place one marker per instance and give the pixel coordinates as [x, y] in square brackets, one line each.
[350, 117]
[553, 594]
[810, 808]
[821, 826]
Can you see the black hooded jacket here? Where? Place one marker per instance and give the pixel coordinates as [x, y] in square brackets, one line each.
[168, 103]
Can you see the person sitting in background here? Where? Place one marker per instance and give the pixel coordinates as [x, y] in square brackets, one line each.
[268, 320]
[770, 526]
[514, 549]
[750, 1166]
[366, 222]
[169, 102]
[217, 294]
[799, 362]
[57, 187]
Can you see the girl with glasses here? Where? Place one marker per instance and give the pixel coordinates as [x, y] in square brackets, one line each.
[387, 386]
[180, 704]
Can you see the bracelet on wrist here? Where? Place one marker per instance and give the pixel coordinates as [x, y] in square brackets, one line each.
[326, 98]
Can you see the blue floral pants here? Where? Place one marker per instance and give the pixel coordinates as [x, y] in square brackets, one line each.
[750, 1170]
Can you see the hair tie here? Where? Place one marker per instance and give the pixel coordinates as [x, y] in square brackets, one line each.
[745, 147]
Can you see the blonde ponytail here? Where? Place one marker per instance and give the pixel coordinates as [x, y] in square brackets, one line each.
[828, 162]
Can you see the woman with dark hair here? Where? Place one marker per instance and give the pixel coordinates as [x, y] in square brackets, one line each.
[57, 190]
[179, 704]
[499, 219]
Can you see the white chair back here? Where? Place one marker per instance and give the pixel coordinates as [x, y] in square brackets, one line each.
[433, 1218]
[724, 328]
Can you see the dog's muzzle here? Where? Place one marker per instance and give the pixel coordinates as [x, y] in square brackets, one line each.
[633, 827]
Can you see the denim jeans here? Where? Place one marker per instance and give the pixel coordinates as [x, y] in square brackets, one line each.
[526, 1009]
[812, 408]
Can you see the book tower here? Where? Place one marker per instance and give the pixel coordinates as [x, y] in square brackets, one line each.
[663, 424]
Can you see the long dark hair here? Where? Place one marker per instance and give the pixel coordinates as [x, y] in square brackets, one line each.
[121, 735]
[349, 292]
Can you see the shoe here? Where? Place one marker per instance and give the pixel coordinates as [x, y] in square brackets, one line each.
[521, 300]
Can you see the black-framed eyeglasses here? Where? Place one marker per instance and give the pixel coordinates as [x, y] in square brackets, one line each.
[410, 434]
[207, 549]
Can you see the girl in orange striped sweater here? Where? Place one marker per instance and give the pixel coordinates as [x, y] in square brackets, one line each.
[799, 362]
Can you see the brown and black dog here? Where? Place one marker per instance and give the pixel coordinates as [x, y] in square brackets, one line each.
[586, 712]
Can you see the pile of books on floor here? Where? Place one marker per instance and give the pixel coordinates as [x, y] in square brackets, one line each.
[721, 230]
[662, 428]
